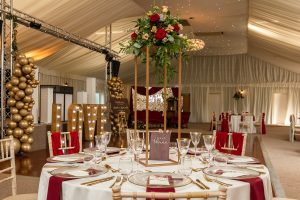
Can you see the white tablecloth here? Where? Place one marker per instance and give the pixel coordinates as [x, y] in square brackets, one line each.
[237, 127]
[72, 190]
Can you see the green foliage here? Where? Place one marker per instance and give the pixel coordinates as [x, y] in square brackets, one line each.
[160, 32]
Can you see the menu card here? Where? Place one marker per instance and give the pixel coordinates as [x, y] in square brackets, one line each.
[159, 145]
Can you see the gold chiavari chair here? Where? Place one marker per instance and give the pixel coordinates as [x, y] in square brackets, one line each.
[221, 194]
[7, 154]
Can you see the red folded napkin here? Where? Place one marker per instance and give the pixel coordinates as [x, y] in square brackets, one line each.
[256, 188]
[55, 187]
[162, 189]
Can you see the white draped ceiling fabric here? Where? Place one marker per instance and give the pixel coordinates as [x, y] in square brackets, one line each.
[268, 70]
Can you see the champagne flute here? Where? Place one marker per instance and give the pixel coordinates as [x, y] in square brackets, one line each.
[195, 137]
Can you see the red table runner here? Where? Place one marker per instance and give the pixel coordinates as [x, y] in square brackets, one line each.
[55, 187]
[256, 188]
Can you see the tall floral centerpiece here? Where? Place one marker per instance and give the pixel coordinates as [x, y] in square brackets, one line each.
[159, 30]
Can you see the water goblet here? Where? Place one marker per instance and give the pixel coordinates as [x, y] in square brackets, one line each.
[209, 142]
[137, 147]
[125, 166]
[186, 167]
[183, 147]
[195, 137]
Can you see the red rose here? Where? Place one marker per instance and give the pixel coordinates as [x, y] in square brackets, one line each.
[176, 28]
[160, 34]
[134, 36]
[154, 18]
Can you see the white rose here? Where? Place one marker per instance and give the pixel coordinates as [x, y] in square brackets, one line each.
[154, 29]
[145, 36]
[164, 9]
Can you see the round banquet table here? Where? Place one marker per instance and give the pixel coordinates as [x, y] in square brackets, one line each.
[235, 124]
[73, 190]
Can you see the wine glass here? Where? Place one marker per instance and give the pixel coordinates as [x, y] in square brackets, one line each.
[183, 147]
[209, 142]
[100, 145]
[195, 137]
[137, 148]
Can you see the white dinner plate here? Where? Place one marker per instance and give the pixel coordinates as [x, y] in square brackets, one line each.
[78, 172]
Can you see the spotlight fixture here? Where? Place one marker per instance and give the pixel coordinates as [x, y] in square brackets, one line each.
[35, 25]
[108, 57]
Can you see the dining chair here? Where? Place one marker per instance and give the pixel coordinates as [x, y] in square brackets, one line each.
[232, 143]
[294, 130]
[64, 142]
[7, 154]
[221, 194]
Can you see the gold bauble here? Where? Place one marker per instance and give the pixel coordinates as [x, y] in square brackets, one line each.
[14, 110]
[23, 79]
[114, 79]
[30, 105]
[17, 65]
[28, 91]
[25, 147]
[12, 124]
[20, 94]
[23, 124]
[26, 69]
[19, 105]
[17, 145]
[17, 72]
[37, 82]
[17, 98]
[27, 76]
[30, 60]
[30, 140]
[8, 85]
[23, 61]
[22, 85]
[20, 56]
[27, 99]
[24, 138]
[11, 93]
[16, 117]
[29, 109]
[29, 118]
[11, 102]
[23, 112]
[34, 85]
[34, 67]
[29, 130]
[18, 132]
[9, 131]
[14, 81]
[15, 89]
[25, 107]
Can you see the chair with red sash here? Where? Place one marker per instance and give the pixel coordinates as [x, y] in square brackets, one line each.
[213, 122]
[64, 142]
[162, 193]
[224, 123]
[294, 130]
[232, 143]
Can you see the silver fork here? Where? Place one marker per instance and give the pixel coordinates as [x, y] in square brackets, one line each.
[124, 179]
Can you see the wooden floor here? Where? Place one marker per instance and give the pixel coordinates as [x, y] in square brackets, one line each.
[30, 164]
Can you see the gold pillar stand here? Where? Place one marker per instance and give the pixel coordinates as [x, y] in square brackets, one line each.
[145, 161]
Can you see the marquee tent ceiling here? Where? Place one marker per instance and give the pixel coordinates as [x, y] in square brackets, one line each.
[273, 29]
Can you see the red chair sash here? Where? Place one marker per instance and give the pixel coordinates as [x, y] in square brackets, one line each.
[237, 140]
[263, 126]
[224, 125]
[56, 139]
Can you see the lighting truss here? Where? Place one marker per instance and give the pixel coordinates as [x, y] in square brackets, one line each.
[30, 21]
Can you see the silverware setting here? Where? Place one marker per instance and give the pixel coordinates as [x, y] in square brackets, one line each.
[216, 181]
[94, 182]
[124, 179]
[197, 184]
[200, 182]
[118, 179]
[197, 169]
[107, 166]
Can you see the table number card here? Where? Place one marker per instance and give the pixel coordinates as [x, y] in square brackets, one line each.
[159, 145]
